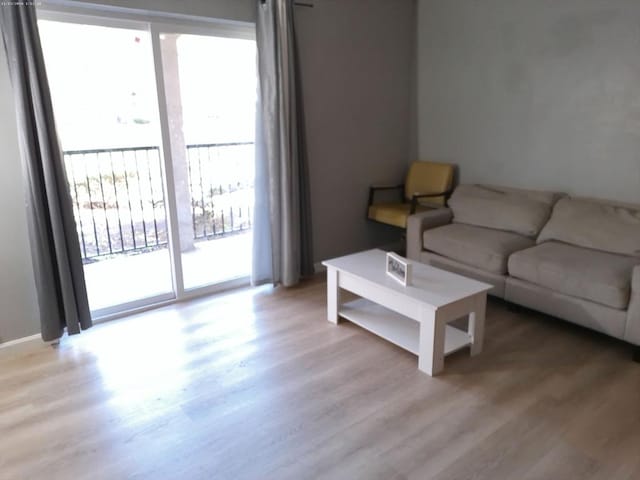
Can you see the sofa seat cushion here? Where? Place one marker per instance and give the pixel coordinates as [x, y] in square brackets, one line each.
[484, 248]
[600, 277]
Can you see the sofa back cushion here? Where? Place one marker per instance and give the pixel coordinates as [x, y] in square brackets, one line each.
[514, 210]
[598, 224]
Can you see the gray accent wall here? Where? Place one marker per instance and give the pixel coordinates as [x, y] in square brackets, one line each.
[18, 303]
[357, 65]
[533, 93]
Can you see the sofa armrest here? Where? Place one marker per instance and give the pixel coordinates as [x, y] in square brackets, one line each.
[418, 223]
[632, 330]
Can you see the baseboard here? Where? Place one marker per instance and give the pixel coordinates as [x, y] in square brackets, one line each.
[20, 340]
[318, 267]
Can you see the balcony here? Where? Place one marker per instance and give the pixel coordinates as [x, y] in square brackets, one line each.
[120, 210]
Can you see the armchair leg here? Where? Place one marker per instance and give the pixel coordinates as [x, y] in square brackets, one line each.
[636, 353]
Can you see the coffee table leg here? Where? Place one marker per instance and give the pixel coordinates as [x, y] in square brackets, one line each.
[432, 332]
[333, 295]
[476, 323]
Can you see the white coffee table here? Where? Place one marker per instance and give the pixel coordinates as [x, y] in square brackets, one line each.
[414, 317]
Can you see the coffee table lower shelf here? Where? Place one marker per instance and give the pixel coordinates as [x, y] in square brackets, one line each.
[397, 329]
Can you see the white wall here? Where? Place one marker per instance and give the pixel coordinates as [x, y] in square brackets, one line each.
[357, 59]
[18, 302]
[533, 93]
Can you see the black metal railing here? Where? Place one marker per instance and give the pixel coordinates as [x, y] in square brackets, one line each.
[119, 201]
[221, 186]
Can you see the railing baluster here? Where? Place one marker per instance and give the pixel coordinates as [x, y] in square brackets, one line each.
[229, 195]
[204, 210]
[153, 200]
[93, 218]
[212, 168]
[144, 220]
[115, 193]
[164, 203]
[71, 169]
[126, 182]
[104, 203]
[211, 191]
[193, 206]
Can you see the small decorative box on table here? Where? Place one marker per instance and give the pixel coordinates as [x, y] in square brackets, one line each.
[414, 317]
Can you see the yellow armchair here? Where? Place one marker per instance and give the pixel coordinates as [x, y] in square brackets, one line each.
[428, 185]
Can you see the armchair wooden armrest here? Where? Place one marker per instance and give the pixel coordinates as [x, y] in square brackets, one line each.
[417, 196]
[374, 188]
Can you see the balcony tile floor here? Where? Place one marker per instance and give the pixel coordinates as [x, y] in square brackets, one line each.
[126, 278]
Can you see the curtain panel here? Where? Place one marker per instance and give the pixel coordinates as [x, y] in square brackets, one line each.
[282, 247]
[55, 249]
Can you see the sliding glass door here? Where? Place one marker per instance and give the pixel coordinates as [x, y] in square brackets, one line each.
[103, 87]
[210, 87]
[156, 123]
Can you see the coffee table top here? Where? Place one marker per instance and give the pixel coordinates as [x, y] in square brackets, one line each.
[430, 285]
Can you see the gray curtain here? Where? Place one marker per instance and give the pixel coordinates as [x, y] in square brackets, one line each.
[282, 218]
[55, 249]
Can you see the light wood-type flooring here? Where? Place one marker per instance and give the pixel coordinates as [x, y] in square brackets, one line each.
[256, 384]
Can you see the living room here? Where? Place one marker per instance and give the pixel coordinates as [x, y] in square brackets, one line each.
[257, 384]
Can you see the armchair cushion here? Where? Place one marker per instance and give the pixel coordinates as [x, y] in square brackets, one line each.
[395, 214]
[427, 186]
[429, 177]
[601, 277]
[484, 248]
[514, 210]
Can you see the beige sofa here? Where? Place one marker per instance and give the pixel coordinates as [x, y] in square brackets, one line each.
[574, 258]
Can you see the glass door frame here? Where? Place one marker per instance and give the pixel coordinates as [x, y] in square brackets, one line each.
[155, 25]
[156, 29]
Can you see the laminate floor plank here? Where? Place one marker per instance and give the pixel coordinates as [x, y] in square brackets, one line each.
[256, 384]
